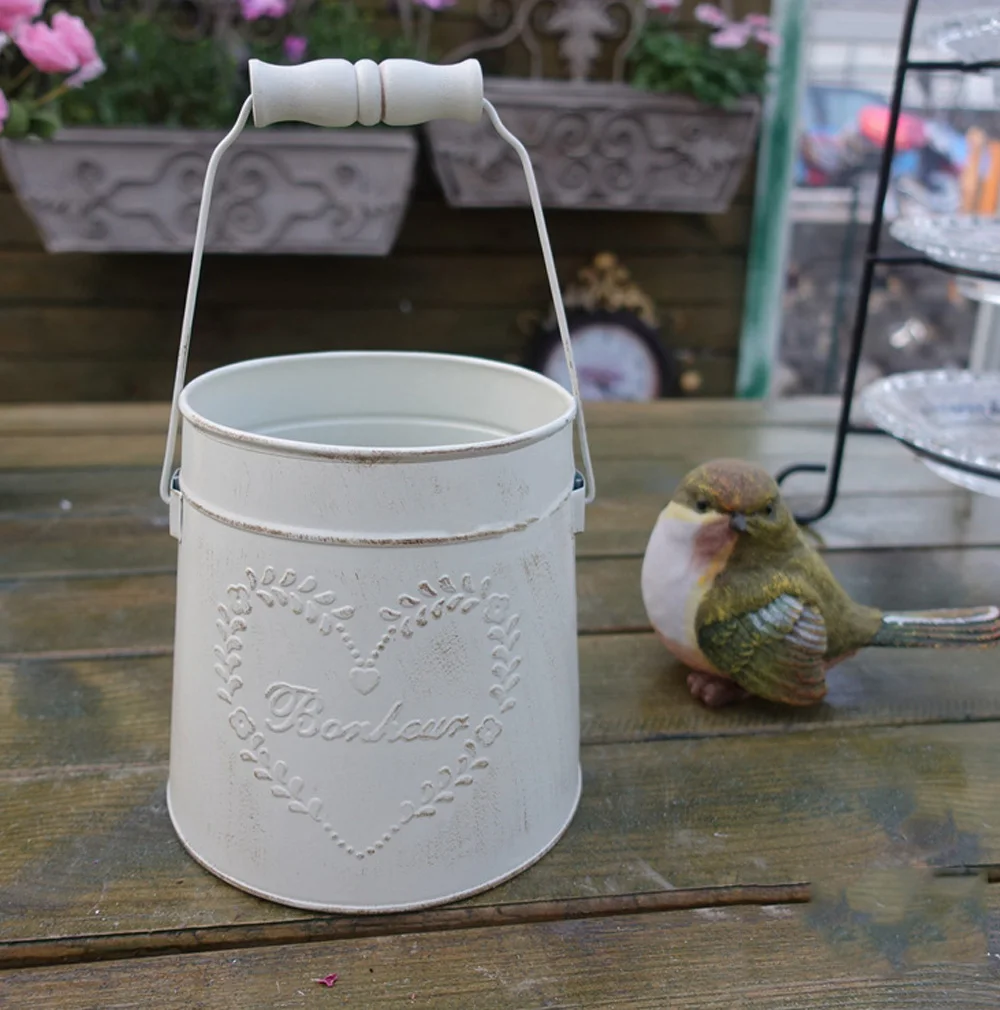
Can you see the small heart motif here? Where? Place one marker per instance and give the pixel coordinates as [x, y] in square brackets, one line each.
[365, 679]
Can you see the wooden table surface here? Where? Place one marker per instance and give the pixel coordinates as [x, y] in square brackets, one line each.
[749, 857]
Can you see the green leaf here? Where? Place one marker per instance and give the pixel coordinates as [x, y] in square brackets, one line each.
[44, 123]
[666, 60]
[18, 123]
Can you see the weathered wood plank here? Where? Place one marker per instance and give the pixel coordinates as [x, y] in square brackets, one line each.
[149, 417]
[514, 280]
[68, 544]
[430, 227]
[621, 525]
[67, 450]
[45, 493]
[33, 380]
[111, 712]
[114, 335]
[68, 541]
[118, 611]
[781, 957]
[91, 852]
[750, 442]
[89, 614]
[610, 597]
[770, 447]
[631, 689]
[137, 611]
[84, 418]
[891, 472]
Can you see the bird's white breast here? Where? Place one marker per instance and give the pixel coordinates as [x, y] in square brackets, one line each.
[677, 572]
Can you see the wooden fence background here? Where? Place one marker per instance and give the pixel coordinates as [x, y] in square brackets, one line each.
[104, 328]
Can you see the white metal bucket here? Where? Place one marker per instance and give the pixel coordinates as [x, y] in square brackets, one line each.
[376, 694]
[375, 702]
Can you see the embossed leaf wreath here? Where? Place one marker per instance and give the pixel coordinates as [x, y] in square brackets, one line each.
[716, 60]
[410, 613]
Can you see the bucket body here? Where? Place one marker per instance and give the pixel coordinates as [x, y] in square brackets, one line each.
[376, 701]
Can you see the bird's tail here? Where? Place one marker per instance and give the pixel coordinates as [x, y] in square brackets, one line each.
[930, 628]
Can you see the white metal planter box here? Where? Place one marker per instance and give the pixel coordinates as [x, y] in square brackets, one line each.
[598, 146]
[283, 191]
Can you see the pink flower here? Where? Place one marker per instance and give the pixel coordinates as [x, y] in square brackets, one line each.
[709, 14]
[733, 36]
[4, 110]
[46, 49]
[765, 38]
[75, 34]
[254, 9]
[663, 6]
[436, 5]
[757, 21]
[295, 48]
[14, 13]
[86, 73]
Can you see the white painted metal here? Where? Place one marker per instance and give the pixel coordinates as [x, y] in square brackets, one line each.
[375, 678]
[340, 93]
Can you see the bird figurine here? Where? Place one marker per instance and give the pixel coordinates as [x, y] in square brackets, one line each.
[737, 594]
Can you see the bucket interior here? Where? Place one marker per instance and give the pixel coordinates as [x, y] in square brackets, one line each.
[377, 400]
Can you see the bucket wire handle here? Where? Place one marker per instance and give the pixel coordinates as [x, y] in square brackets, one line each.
[187, 325]
[550, 270]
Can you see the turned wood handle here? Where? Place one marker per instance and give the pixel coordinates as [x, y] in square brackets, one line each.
[340, 93]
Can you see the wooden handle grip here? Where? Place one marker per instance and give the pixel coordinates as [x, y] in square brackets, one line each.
[340, 93]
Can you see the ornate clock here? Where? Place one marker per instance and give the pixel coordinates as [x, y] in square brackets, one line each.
[616, 342]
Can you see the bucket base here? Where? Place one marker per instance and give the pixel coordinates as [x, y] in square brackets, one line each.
[318, 906]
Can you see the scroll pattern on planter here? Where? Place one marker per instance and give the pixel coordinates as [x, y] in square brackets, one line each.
[430, 603]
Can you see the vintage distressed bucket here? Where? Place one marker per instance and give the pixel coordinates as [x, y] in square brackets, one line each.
[375, 701]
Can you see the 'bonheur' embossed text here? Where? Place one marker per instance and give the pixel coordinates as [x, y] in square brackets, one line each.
[293, 707]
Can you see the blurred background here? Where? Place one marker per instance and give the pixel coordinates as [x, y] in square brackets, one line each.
[676, 208]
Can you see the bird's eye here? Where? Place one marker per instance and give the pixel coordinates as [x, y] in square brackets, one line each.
[769, 511]
[701, 505]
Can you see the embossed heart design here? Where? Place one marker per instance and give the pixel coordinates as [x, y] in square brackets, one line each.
[365, 679]
[301, 705]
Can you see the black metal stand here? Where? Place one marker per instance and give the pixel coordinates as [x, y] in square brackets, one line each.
[873, 260]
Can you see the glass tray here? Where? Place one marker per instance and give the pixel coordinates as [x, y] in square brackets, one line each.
[950, 418]
[972, 38]
[964, 241]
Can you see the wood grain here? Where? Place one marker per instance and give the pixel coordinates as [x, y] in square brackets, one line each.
[91, 851]
[682, 806]
[513, 280]
[610, 598]
[70, 538]
[150, 417]
[58, 715]
[643, 458]
[47, 493]
[94, 613]
[621, 525]
[782, 957]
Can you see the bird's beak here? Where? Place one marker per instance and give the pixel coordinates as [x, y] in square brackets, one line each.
[738, 522]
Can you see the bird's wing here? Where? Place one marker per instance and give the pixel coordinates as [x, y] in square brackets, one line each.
[776, 652]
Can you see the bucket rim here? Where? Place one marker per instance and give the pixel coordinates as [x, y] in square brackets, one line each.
[378, 454]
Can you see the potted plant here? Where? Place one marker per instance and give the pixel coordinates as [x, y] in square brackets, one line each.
[673, 130]
[118, 165]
